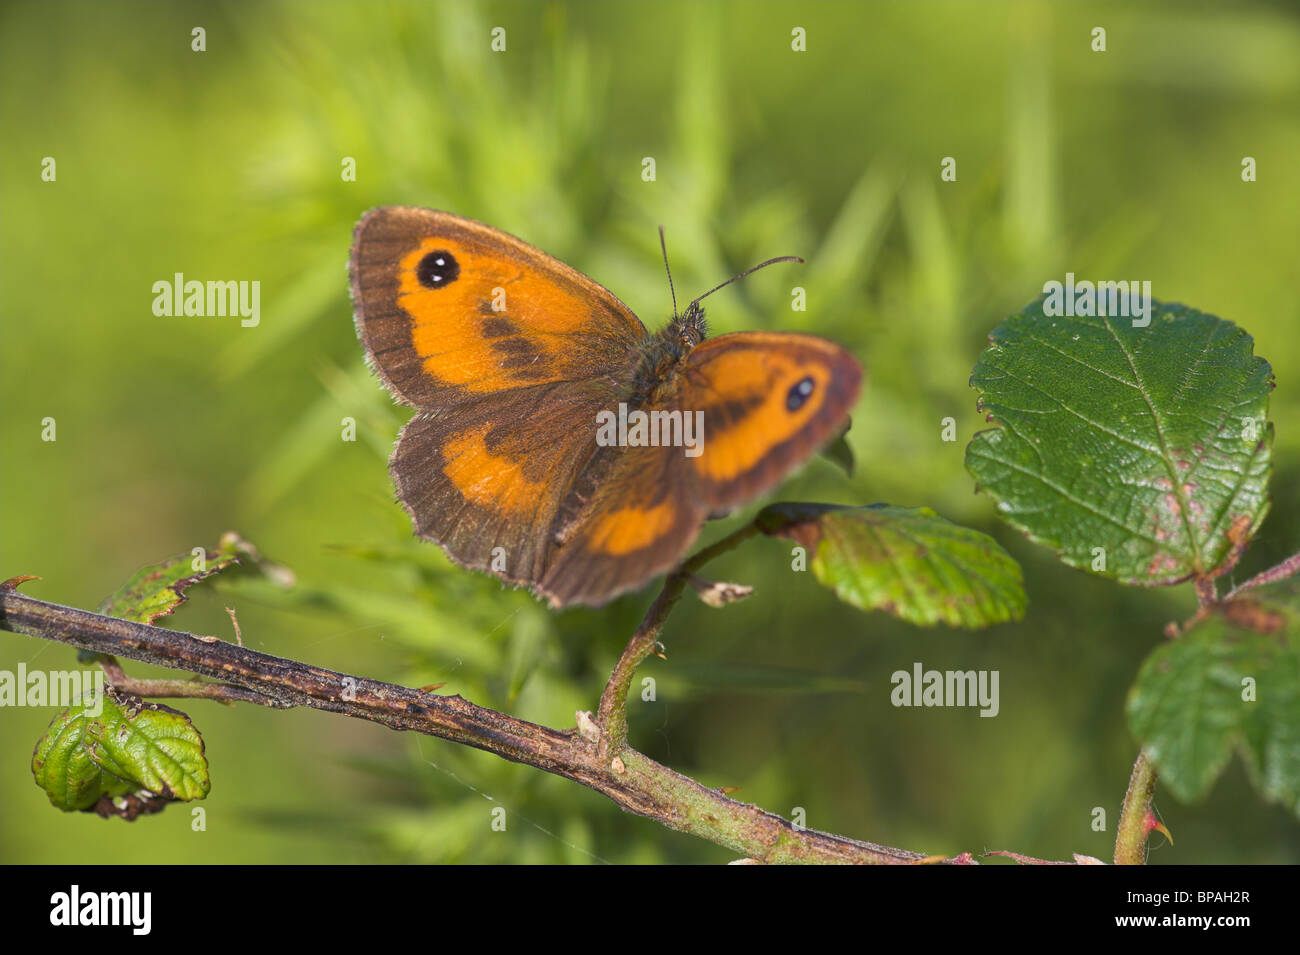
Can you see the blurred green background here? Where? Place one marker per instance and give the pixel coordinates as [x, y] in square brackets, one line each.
[226, 164]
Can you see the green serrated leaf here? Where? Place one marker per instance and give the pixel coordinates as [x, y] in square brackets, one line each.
[1230, 682]
[157, 590]
[1140, 453]
[118, 756]
[155, 747]
[907, 561]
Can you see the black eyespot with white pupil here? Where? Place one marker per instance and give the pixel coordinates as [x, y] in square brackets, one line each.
[799, 393]
[437, 269]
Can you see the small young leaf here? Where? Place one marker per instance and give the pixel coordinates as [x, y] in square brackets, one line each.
[157, 590]
[906, 561]
[1141, 453]
[119, 756]
[1231, 681]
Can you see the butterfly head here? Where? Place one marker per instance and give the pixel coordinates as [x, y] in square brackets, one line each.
[689, 327]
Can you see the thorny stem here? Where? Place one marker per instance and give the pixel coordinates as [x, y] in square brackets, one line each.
[1283, 570]
[1134, 820]
[1205, 592]
[1207, 598]
[634, 782]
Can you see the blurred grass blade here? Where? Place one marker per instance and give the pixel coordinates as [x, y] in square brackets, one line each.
[287, 313]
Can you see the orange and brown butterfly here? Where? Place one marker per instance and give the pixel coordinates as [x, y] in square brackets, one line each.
[518, 366]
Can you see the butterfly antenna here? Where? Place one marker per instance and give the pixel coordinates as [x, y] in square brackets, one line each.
[663, 245]
[734, 278]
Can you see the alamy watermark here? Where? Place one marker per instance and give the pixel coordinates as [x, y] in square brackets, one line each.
[208, 299]
[53, 688]
[75, 907]
[651, 429]
[922, 687]
[1103, 299]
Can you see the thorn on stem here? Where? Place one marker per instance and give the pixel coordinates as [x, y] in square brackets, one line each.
[1153, 824]
[13, 583]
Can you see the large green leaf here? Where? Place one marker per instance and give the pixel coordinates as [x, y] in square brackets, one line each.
[119, 756]
[1230, 682]
[907, 561]
[1139, 453]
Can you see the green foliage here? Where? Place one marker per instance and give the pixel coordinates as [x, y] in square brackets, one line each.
[120, 757]
[1153, 444]
[1147, 442]
[1231, 682]
[116, 754]
[906, 561]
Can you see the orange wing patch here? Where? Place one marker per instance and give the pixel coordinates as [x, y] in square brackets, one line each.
[495, 326]
[488, 480]
[759, 382]
[770, 400]
[630, 529]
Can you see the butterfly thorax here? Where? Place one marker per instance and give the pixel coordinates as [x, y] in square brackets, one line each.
[664, 354]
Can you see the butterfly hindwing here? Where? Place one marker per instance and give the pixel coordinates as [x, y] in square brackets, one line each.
[638, 521]
[486, 481]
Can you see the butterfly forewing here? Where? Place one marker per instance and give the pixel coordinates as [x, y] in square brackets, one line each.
[451, 310]
[770, 400]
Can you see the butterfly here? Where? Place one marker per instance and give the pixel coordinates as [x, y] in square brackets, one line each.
[558, 444]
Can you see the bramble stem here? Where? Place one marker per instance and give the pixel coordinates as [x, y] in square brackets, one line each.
[635, 783]
[1131, 837]
[1287, 568]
